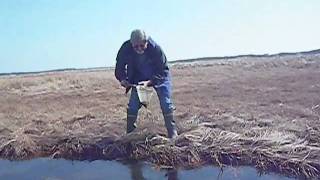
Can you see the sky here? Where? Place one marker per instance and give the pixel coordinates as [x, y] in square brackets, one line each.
[37, 35]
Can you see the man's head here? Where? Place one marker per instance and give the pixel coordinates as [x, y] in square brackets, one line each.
[139, 40]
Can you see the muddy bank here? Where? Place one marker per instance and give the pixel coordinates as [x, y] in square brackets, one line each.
[263, 112]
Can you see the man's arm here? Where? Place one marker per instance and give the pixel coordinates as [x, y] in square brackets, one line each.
[121, 69]
[161, 66]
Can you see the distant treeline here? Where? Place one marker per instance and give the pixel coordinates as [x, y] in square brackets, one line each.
[37, 72]
[317, 51]
[313, 52]
[54, 70]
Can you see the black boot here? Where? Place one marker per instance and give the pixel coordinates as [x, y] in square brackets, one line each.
[131, 122]
[170, 125]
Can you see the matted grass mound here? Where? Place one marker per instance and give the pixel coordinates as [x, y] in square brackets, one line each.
[267, 150]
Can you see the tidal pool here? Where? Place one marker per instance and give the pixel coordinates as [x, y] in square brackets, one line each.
[60, 169]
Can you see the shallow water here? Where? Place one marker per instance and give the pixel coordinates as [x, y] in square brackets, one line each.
[58, 169]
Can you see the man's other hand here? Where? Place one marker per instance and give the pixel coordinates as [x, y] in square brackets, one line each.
[146, 83]
[125, 83]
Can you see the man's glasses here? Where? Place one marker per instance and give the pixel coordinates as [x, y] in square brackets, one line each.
[139, 46]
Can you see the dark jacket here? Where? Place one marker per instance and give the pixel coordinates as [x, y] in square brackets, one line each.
[126, 67]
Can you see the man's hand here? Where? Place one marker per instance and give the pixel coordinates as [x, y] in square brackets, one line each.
[146, 83]
[125, 83]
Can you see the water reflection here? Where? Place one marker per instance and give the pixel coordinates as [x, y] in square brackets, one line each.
[136, 171]
[172, 174]
[61, 169]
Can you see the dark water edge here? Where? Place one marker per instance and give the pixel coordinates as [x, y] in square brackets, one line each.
[60, 169]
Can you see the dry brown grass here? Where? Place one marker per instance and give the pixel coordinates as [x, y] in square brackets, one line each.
[263, 112]
[266, 150]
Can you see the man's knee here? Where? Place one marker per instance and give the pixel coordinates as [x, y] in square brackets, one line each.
[132, 111]
[167, 108]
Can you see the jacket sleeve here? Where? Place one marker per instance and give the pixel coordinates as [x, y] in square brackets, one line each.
[161, 66]
[121, 64]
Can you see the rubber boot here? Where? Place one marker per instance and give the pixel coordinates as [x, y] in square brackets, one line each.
[131, 122]
[170, 125]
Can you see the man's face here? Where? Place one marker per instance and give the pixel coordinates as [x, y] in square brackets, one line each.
[140, 46]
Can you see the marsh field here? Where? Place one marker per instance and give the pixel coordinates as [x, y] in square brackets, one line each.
[258, 111]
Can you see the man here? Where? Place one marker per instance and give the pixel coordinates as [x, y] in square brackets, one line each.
[140, 59]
